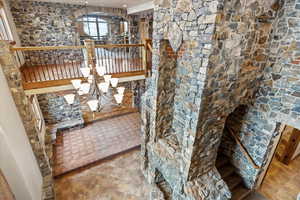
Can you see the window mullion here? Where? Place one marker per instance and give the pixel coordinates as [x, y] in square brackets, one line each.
[98, 30]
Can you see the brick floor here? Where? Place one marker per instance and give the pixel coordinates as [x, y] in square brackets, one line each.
[99, 140]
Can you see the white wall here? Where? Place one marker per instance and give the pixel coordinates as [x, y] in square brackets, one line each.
[17, 160]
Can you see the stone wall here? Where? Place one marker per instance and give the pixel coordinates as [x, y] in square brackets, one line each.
[54, 24]
[277, 100]
[58, 113]
[35, 136]
[235, 53]
[172, 102]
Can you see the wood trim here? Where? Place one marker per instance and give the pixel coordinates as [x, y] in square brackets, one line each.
[44, 84]
[243, 148]
[45, 48]
[150, 47]
[54, 83]
[291, 146]
[272, 155]
[128, 74]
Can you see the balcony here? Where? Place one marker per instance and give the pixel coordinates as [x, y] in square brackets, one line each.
[52, 66]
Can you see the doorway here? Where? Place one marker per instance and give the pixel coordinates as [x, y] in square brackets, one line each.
[282, 179]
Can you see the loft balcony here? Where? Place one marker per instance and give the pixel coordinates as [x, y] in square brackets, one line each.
[52, 66]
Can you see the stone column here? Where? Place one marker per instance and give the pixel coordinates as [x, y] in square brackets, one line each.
[13, 77]
[172, 105]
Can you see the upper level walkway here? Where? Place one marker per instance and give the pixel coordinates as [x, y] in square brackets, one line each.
[53, 66]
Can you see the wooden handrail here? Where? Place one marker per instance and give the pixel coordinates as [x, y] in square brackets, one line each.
[150, 47]
[73, 47]
[118, 45]
[45, 48]
[243, 148]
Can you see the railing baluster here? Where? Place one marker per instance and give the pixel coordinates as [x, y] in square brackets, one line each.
[64, 66]
[73, 68]
[56, 66]
[51, 65]
[40, 67]
[60, 63]
[102, 56]
[44, 67]
[111, 62]
[115, 65]
[69, 64]
[128, 52]
[119, 60]
[106, 61]
[141, 58]
[32, 68]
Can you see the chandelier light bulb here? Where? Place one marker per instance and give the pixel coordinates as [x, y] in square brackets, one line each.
[70, 98]
[76, 83]
[104, 87]
[114, 82]
[85, 88]
[100, 71]
[121, 90]
[90, 79]
[93, 104]
[85, 71]
[107, 78]
[80, 92]
[119, 98]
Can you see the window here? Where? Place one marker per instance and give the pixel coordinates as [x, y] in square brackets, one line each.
[94, 26]
[5, 32]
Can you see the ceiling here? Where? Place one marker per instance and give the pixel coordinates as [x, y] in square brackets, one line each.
[104, 3]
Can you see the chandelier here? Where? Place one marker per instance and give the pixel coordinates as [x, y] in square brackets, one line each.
[96, 84]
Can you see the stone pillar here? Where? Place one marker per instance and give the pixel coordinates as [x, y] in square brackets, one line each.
[182, 45]
[13, 77]
[204, 65]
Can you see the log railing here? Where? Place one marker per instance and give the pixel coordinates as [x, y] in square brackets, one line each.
[57, 65]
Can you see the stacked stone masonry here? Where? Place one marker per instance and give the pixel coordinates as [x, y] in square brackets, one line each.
[55, 24]
[232, 53]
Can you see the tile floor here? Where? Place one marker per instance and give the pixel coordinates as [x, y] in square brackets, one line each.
[96, 141]
[119, 178]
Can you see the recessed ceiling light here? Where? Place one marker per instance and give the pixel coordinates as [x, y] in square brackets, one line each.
[125, 6]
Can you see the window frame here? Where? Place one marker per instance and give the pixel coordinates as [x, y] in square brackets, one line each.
[6, 33]
[98, 20]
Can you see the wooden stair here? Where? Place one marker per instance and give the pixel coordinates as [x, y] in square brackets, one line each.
[232, 179]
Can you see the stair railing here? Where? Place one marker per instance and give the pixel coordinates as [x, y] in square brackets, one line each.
[243, 148]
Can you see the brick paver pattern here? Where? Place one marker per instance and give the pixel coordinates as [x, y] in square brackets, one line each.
[96, 141]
